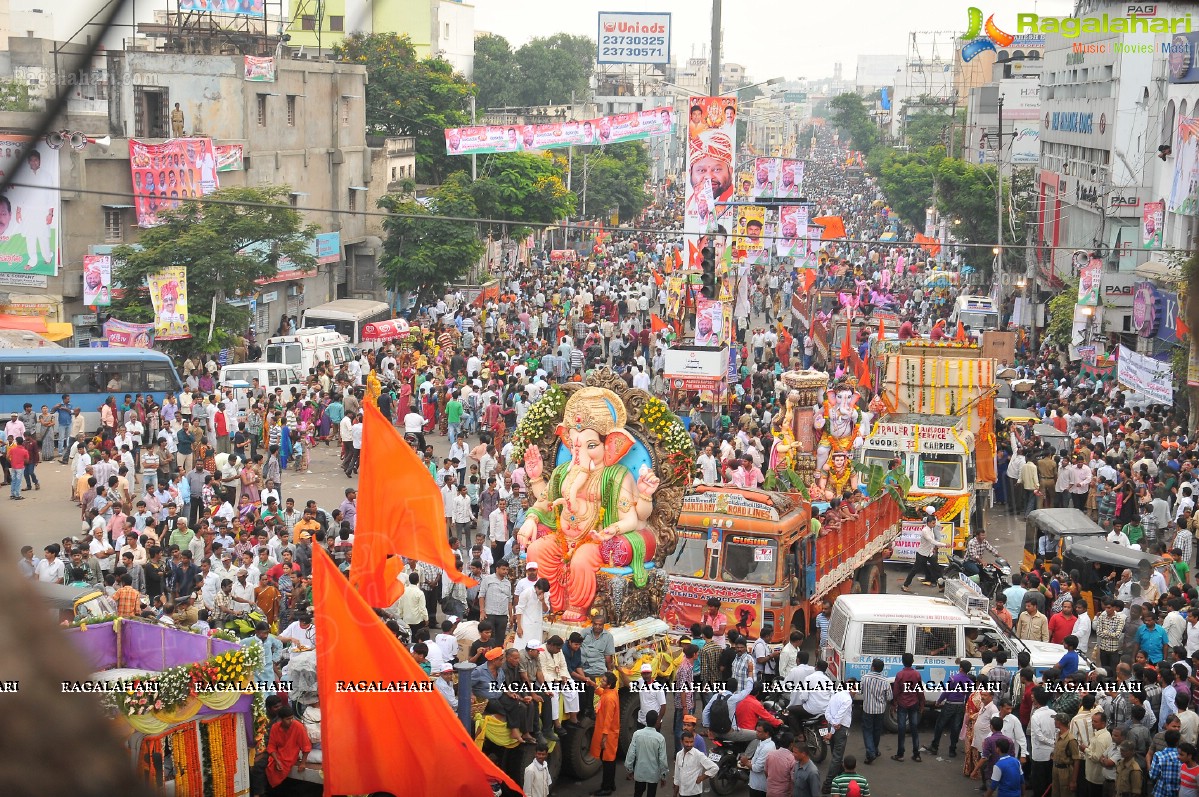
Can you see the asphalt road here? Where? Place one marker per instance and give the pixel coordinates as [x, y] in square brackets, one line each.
[47, 515]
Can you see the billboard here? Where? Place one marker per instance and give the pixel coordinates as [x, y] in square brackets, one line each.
[1153, 216]
[1180, 58]
[168, 295]
[229, 157]
[633, 37]
[793, 231]
[1185, 185]
[245, 8]
[97, 280]
[1026, 143]
[777, 178]
[166, 174]
[687, 598]
[487, 139]
[29, 212]
[260, 70]
[122, 334]
[711, 144]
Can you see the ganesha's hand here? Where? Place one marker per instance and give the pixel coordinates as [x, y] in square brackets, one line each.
[527, 530]
[648, 484]
[533, 463]
[608, 532]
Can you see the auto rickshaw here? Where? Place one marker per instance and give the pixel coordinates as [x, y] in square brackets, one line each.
[1099, 564]
[1048, 434]
[1046, 529]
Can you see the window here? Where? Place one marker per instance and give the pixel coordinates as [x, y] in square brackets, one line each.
[353, 203]
[112, 225]
[308, 22]
[884, 639]
[157, 378]
[940, 472]
[24, 378]
[936, 640]
[337, 23]
[446, 35]
[393, 173]
[262, 110]
[750, 560]
[291, 110]
[294, 200]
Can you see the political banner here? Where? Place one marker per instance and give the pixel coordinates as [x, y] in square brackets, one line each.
[1089, 278]
[765, 176]
[552, 136]
[711, 145]
[790, 185]
[168, 295]
[777, 178]
[1145, 375]
[229, 157]
[487, 139]
[245, 8]
[124, 335]
[97, 280]
[658, 121]
[749, 243]
[793, 231]
[260, 70]
[481, 140]
[29, 212]
[166, 174]
[1152, 220]
[1184, 189]
[712, 322]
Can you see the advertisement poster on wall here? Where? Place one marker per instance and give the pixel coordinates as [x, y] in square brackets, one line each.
[30, 212]
[260, 70]
[124, 335]
[245, 8]
[166, 174]
[1184, 189]
[97, 280]
[1153, 218]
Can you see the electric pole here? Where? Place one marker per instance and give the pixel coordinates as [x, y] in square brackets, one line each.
[714, 56]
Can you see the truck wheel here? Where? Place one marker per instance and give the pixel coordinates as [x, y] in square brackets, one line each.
[576, 751]
[870, 580]
[890, 720]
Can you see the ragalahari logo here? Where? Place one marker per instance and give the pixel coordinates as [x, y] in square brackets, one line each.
[979, 38]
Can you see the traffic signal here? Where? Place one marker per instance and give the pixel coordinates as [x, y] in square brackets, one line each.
[708, 277]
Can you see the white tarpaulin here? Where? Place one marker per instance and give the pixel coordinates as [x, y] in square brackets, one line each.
[1145, 375]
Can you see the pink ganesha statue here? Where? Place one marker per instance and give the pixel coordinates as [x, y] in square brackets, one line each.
[590, 513]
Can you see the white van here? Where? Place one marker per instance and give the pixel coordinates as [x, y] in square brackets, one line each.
[933, 629]
[980, 313]
[307, 347]
[269, 375]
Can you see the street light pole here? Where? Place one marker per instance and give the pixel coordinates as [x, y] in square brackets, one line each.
[714, 56]
[999, 200]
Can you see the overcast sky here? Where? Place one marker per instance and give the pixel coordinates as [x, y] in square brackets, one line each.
[771, 38]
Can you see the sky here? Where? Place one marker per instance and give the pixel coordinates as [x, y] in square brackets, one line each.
[790, 39]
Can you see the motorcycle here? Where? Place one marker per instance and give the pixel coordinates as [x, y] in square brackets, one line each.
[811, 731]
[729, 772]
[993, 577]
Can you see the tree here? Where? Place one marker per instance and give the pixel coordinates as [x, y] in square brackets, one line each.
[616, 177]
[966, 193]
[496, 71]
[907, 181]
[928, 127]
[423, 254]
[552, 68]
[1061, 315]
[523, 187]
[226, 248]
[409, 96]
[850, 116]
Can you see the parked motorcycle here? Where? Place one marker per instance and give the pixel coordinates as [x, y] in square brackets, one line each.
[993, 577]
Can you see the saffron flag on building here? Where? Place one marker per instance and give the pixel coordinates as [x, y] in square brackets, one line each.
[400, 513]
[168, 296]
[375, 740]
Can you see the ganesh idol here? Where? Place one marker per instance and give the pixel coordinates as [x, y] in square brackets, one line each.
[591, 512]
[839, 421]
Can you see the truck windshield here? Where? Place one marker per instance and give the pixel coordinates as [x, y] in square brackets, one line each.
[941, 472]
[980, 320]
[878, 456]
[690, 556]
[749, 561]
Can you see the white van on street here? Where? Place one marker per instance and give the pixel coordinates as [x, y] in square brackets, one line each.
[305, 348]
[269, 375]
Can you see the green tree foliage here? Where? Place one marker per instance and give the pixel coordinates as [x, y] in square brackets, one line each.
[495, 71]
[525, 187]
[616, 176]
[929, 127]
[1061, 314]
[410, 96]
[422, 254]
[550, 69]
[850, 116]
[226, 249]
[966, 192]
[907, 181]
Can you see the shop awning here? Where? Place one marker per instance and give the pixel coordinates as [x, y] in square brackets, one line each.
[58, 331]
[28, 323]
[114, 206]
[385, 330]
[1156, 270]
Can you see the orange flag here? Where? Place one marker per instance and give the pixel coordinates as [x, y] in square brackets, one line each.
[379, 740]
[864, 376]
[1181, 329]
[847, 347]
[882, 332]
[960, 335]
[400, 513]
[809, 279]
[656, 324]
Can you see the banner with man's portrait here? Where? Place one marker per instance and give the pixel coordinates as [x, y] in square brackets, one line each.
[711, 148]
[30, 209]
[168, 295]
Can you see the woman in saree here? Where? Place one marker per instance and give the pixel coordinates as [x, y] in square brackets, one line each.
[973, 706]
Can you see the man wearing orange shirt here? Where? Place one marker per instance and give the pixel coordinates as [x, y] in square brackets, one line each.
[308, 524]
[288, 746]
[128, 600]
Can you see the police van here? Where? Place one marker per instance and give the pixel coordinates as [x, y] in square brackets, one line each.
[933, 629]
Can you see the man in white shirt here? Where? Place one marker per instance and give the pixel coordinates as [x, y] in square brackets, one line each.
[708, 466]
[839, 715]
[691, 768]
[813, 694]
[649, 695]
[1042, 734]
[497, 525]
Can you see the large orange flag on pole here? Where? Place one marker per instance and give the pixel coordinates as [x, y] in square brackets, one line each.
[403, 742]
[400, 513]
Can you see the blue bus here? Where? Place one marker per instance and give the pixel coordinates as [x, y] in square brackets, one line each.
[88, 376]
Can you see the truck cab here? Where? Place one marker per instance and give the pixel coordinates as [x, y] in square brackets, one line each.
[937, 453]
[978, 313]
[755, 551]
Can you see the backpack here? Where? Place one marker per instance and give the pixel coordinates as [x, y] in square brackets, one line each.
[719, 720]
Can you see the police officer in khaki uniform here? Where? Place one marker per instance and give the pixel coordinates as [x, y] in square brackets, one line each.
[1066, 758]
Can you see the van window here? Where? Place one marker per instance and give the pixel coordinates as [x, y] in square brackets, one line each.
[884, 639]
[239, 375]
[941, 471]
[837, 628]
[936, 640]
[272, 377]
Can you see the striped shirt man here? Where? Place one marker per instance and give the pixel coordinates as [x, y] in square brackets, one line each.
[876, 691]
